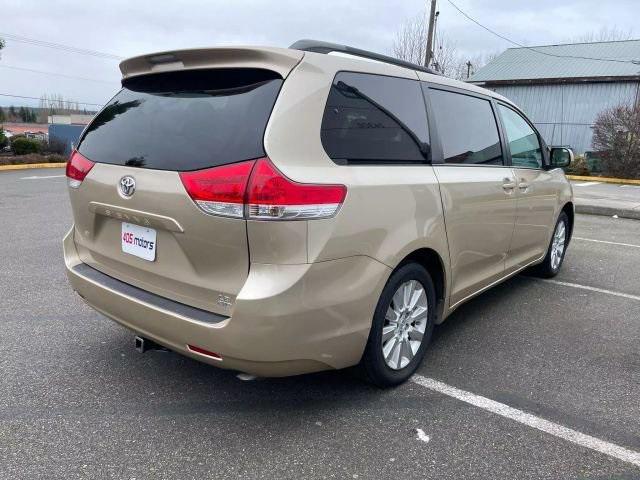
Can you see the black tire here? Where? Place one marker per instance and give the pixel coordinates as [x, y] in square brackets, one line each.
[546, 268]
[373, 364]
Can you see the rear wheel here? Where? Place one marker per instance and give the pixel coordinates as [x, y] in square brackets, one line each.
[402, 326]
[552, 262]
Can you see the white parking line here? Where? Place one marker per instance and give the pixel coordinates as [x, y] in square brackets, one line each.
[40, 177]
[593, 289]
[586, 184]
[607, 242]
[530, 420]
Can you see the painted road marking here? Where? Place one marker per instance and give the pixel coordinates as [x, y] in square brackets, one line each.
[607, 242]
[40, 177]
[530, 420]
[593, 289]
[586, 184]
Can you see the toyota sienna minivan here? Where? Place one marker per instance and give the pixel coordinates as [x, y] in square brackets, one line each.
[284, 211]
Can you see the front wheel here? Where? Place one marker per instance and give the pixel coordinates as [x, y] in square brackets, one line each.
[402, 326]
[552, 262]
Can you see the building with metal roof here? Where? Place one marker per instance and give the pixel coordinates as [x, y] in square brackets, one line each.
[562, 88]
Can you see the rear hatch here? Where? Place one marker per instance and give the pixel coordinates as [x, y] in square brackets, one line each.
[134, 218]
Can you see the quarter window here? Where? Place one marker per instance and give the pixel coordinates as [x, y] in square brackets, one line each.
[524, 144]
[375, 119]
[467, 128]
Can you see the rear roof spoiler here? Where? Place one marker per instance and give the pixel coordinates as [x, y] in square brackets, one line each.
[318, 46]
[280, 60]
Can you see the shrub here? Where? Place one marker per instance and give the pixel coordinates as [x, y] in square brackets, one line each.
[56, 146]
[616, 136]
[24, 146]
[579, 166]
[31, 158]
[3, 139]
[55, 158]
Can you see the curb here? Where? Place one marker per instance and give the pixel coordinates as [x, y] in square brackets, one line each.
[27, 166]
[620, 181]
[608, 211]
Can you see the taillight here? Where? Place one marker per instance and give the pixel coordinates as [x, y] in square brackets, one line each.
[77, 168]
[219, 190]
[272, 196]
[256, 189]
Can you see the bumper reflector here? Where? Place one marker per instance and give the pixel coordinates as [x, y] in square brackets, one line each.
[204, 352]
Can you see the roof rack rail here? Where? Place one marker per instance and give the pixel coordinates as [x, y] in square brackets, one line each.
[318, 46]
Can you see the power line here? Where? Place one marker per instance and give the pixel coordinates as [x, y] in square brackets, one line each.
[38, 98]
[59, 74]
[59, 46]
[635, 62]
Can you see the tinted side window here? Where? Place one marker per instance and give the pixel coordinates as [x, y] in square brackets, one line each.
[524, 144]
[467, 128]
[372, 118]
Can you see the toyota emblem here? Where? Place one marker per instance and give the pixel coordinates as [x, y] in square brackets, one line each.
[127, 186]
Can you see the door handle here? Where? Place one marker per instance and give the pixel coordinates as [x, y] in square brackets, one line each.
[508, 185]
[523, 186]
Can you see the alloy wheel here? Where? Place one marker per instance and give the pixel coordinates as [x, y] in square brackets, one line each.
[557, 245]
[405, 324]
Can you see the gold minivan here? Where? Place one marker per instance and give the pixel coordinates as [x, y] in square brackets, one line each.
[283, 211]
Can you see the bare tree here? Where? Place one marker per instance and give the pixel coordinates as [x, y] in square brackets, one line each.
[605, 34]
[616, 136]
[410, 44]
[445, 56]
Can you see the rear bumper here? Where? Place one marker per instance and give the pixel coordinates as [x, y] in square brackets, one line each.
[286, 320]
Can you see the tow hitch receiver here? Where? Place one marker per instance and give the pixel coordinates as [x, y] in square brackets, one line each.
[144, 345]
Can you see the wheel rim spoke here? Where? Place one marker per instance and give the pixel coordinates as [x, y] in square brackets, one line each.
[394, 357]
[406, 354]
[408, 293]
[392, 316]
[416, 335]
[388, 332]
[388, 348]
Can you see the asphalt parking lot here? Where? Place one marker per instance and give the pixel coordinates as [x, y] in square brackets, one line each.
[77, 401]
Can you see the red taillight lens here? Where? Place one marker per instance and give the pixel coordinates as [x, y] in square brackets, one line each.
[265, 192]
[271, 195]
[77, 168]
[219, 190]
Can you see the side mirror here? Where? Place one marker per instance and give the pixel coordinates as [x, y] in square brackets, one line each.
[560, 157]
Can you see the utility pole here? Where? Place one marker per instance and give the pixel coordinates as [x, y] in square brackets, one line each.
[468, 68]
[428, 56]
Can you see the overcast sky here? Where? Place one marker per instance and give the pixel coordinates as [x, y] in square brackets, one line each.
[128, 27]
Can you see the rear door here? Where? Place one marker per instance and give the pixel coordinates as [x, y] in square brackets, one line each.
[156, 128]
[477, 189]
[536, 192]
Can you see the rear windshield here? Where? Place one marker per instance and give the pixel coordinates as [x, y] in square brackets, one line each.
[184, 120]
